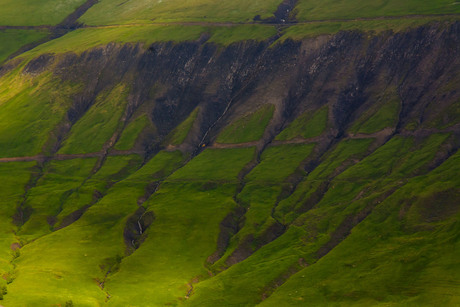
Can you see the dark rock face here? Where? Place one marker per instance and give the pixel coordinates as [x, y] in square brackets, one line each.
[344, 71]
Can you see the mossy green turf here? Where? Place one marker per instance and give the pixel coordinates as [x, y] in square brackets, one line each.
[383, 115]
[352, 9]
[195, 198]
[92, 244]
[35, 13]
[404, 253]
[141, 11]
[131, 132]
[215, 165]
[307, 125]
[30, 108]
[103, 118]
[389, 274]
[315, 29]
[14, 176]
[278, 162]
[13, 40]
[144, 11]
[390, 258]
[83, 39]
[46, 199]
[249, 128]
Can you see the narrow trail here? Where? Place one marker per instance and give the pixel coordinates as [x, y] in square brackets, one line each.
[298, 140]
[234, 24]
[61, 157]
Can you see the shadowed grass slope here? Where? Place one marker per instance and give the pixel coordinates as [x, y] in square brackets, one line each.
[94, 244]
[13, 40]
[249, 128]
[307, 125]
[99, 123]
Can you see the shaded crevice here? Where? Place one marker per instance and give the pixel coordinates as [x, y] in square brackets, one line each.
[229, 226]
[23, 211]
[246, 86]
[352, 220]
[234, 221]
[314, 198]
[284, 14]
[134, 232]
[337, 236]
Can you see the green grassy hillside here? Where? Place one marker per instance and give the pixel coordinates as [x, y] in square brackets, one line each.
[239, 153]
[33, 13]
[13, 40]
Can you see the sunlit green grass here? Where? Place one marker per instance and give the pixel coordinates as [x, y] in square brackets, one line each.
[215, 165]
[83, 39]
[302, 31]
[30, 108]
[378, 252]
[143, 11]
[74, 258]
[183, 235]
[278, 162]
[98, 124]
[47, 198]
[390, 258]
[351, 9]
[113, 170]
[34, 13]
[14, 176]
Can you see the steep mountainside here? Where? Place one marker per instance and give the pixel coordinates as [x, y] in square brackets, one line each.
[232, 164]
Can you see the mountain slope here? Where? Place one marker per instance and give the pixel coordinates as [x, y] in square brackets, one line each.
[215, 164]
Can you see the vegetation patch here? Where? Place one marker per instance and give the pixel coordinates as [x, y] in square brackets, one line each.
[215, 165]
[30, 108]
[249, 128]
[33, 13]
[278, 162]
[13, 40]
[382, 115]
[144, 11]
[307, 125]
[98, 124]
[353, 9]
[131, 133]
[314, 29]
[178, 135]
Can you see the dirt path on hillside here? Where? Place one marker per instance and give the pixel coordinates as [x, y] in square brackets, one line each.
[231, 24]
[61, 157]
[385, 133]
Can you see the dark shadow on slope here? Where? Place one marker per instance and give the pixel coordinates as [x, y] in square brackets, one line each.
[284, 14]
[229, 226]
[134, 233]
